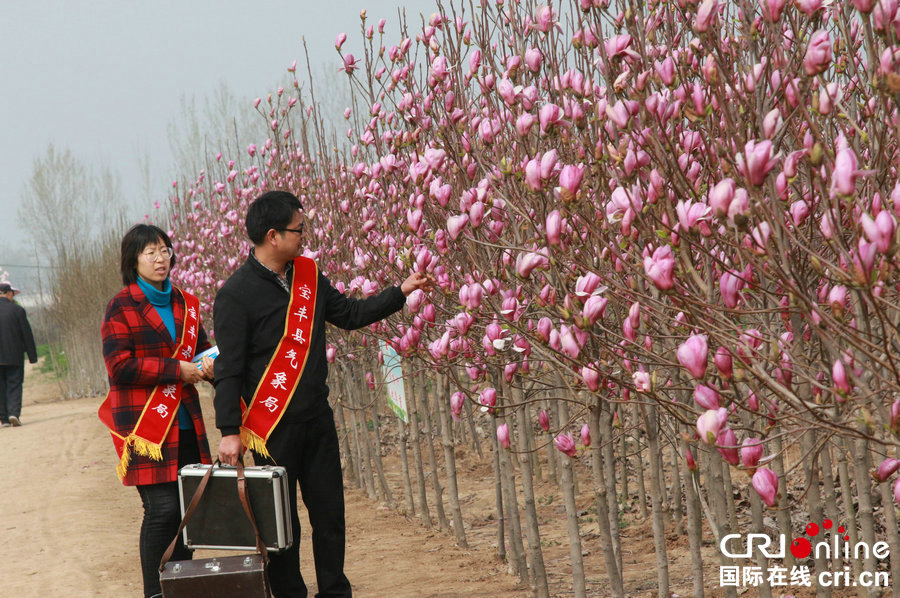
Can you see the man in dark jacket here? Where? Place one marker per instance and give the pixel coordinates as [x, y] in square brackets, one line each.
[15, 340]
[274, 357]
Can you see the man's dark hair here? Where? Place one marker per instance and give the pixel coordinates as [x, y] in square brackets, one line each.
[133, 244]
[273, 209]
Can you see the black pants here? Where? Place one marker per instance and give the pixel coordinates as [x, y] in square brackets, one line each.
[309, 451]
[162, 516]
[11, 377]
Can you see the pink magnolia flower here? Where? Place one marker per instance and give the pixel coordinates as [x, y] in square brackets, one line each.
[503, 435]
[488, 397]
[553, 227]
[349, 64]
[544, 421]
[665, 70]
[549, 114]
[570, 180]
[591, 377]
[887, 468]
[524, 123]
[839, 377]
[533, 58]
[864, 6]
[341, 38]
[711, 423]
[838, 299]
[845, 173]
[706, 396]
[879, 231]
[527, 263]
[808, 7]
[772, 9]
[586, 435]
[660, 267]
[690, 213]
[586, 284]
[721, 195]
[730, 285]
[818, 53]
[726, 443]
[689, 459]
[751, 453]
[897, 491]
[457, 400]
[533, 174]
[642, 381]
[330, 353]
[765, 482]
[566, 444]
[455, 224]
[594, 309]
[692, 354]
[544, 18]
[723, 362]
[706, 15]
[568, 343]
[757, 161]
[544, 328]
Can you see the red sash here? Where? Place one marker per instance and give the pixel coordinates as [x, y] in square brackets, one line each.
[162, 403]
[278, 383]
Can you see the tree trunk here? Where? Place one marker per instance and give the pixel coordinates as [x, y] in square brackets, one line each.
[344, 431]
[501, 513]
[404, 468]
[517, 559]
[446, 436]
[432, 458]
[609, 466]
[600, 499]
[532, 531]
[656, 482]
[865, 514]
[424, 512]
[379, 466]
[718, 506]
[694, 526]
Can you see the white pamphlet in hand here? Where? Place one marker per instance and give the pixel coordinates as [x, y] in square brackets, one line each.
[212, 353]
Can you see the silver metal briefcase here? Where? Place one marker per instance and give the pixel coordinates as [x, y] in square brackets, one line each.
[219, 521]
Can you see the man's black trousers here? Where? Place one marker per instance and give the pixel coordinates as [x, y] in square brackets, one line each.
[310, 452]
[11, 378]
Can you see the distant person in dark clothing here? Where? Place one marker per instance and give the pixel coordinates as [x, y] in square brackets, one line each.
[15, 340]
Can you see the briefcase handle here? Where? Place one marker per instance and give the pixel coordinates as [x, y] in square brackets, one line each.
[245, 501]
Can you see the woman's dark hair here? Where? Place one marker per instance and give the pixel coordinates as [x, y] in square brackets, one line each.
[133, 243]
[273, 209]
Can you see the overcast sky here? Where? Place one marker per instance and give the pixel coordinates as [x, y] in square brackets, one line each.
[105, 78]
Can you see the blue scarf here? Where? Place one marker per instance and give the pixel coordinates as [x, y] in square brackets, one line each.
[162, 302]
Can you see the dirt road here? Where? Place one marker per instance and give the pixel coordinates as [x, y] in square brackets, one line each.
[69, 528]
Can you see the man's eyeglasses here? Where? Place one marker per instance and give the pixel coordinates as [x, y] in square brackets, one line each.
[154, 254]
[299, 231]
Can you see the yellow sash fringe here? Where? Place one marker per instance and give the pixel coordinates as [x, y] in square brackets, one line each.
[141, 447]
[253, 442]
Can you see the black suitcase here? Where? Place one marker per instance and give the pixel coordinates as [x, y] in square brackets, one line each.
[219, 522]
[244, 576]
[225, 577]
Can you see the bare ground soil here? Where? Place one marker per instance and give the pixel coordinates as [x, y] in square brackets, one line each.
[69, 528]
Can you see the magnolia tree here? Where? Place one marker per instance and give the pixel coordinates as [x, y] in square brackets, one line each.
[662, 225]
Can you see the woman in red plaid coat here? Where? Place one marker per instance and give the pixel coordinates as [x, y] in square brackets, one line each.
[151, 331]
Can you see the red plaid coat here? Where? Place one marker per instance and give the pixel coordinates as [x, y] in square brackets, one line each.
[138, 351]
